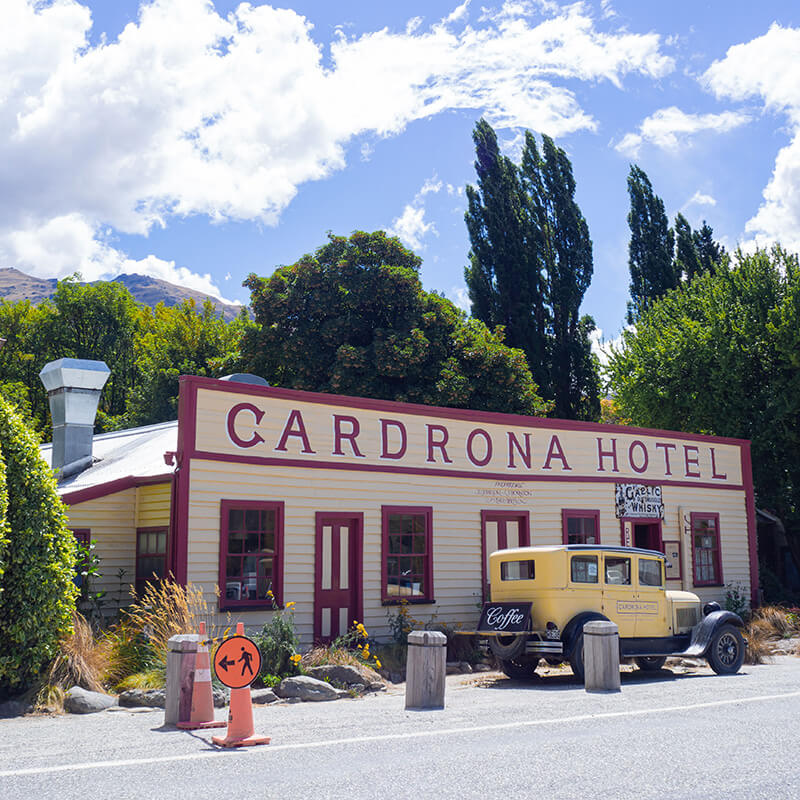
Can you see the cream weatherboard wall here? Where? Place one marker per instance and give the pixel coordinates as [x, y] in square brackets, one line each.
[320, 454]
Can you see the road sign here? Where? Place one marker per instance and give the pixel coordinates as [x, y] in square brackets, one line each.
[237, 662]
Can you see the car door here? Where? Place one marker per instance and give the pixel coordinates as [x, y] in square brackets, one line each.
[651, 599]
[619, 603]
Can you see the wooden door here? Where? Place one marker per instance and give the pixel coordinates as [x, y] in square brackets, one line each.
[337, 591]
[501, 530]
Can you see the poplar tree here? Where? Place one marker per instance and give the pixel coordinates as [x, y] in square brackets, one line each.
[687, 259]
[531, 264]
[650, 257]
[709, 253]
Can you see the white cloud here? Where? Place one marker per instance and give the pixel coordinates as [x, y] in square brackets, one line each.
[768, 67]
[670, 129]
[460, 296]
[411, 227]
[603, 348]
[701, 199]
[188, 112]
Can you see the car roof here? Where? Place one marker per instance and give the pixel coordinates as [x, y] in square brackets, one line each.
[583, 548]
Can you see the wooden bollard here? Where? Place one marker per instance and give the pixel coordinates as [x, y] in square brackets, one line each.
[601, 656]
[425, 669]
[181, 654]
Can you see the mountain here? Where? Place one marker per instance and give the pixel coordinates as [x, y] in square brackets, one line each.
[16, 285]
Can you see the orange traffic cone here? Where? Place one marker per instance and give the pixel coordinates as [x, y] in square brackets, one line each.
[241, 732]
[202, 691]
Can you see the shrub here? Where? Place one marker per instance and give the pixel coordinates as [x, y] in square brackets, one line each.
[736, 599]
[37, 562]
[279, 644]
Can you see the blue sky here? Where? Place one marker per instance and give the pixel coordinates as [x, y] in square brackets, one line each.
[200, 142]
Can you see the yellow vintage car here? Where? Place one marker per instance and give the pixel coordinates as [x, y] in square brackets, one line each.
[541, 597]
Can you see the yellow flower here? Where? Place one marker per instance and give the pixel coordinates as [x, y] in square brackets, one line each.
[290, 605]
[295, 659]
[269, 593]
[378, 663]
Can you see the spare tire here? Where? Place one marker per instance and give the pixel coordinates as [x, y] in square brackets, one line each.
[508, 647]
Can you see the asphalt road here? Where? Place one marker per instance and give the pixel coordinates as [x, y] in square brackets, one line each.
[668, 736]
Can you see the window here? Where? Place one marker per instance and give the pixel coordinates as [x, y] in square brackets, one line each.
[83, 536]
[705, 550]
[407, 565]
[649, 572]
[517, 570]
[583, 569]
[580, 527]
[151, 556]
[251, 554]
[618, 571]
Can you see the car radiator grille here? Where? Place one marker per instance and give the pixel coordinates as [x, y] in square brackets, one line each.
[686, 618]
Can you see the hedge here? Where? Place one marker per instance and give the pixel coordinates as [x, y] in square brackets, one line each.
[37, 559]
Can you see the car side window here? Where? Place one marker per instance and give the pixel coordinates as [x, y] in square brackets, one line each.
[583, 569]
[618, 571]
[649, 572]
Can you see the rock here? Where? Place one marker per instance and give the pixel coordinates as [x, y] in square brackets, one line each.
[481, 668]
[82, 701]
[15, 708]
[359, 688]
[263, 696]
[154, 698]
[308, 689]
[221, 698]
[466, 667]
[397, 677]
[344, 675]
[293, 700]
[376, 686]
[453, 667]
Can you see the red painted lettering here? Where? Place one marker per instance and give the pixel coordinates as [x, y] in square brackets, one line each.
[340, 436]
[666, 447]
[525, 455]
[721, 476]
[289, 429]
[601, 454]
[554, 450]
[256, 438]
[385, 425]
[645, 457]
[438, 444]
[479, 462]
[694, 461]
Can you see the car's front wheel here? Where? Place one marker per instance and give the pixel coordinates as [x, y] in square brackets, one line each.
[726, 652]
[519, 670]
[650, 663]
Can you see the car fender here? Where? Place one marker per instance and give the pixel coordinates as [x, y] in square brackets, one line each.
[705, 629]
[575, 626]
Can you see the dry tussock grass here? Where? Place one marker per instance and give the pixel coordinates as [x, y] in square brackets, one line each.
[82, 660]
[757, 649]
[320, 656]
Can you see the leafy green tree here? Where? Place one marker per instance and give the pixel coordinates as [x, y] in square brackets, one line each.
[175, 341]
[720, 356]
[353, 319]
[531, 264]
[650, 257]
[37, 559]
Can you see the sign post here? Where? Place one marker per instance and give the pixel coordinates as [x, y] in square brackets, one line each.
[237, 663]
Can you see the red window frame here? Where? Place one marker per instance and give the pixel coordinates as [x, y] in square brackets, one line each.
[716, 551]
[82, 536]
[226, 506]
[579, 513]
[141, 579]
[427, 573]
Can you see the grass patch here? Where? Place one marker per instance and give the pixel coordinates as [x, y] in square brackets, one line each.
[151, 679]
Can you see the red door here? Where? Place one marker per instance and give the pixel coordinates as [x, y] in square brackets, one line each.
[337, 589]
[501, 530]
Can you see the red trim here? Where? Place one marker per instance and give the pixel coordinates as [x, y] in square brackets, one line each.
[417, 409]
[277, 559]
[166, 554]
[498, 476]
[358, 561]
[717, 550]
[752, 539]
[579, 513]
[427, 511]
[640, 521]
[491, 515]
[187, 423]
[119, 485]
[172, 558]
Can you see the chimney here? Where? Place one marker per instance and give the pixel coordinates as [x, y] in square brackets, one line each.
[73, 388]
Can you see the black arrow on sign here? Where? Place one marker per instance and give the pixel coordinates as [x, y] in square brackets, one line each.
[225, 663]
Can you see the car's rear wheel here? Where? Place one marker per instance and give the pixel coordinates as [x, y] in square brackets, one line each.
[576, 657]
[519, 670]
[726, 652]
[508, 647]
[650, 663]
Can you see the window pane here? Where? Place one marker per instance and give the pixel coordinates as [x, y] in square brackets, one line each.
[418, 523]
[583, 569]
[236, 542]
[252, 520]
[649, 572]
[581, 530]
[152, 542]
[161, 547]
[252, 542]
[233, 568]
[268, 542]
[264, 578]
[517, 570]
[395, 523]
[235, 519]
[419, 544]
[394, 544]
[618, 571]
[268, 519]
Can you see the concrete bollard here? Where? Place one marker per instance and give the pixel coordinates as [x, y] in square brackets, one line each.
[425, 669]
[601, 656]
[181, 654]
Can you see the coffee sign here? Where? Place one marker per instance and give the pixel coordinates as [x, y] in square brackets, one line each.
[505, 618]
[638, 500]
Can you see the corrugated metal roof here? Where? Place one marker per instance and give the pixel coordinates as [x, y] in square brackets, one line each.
[132, 453]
